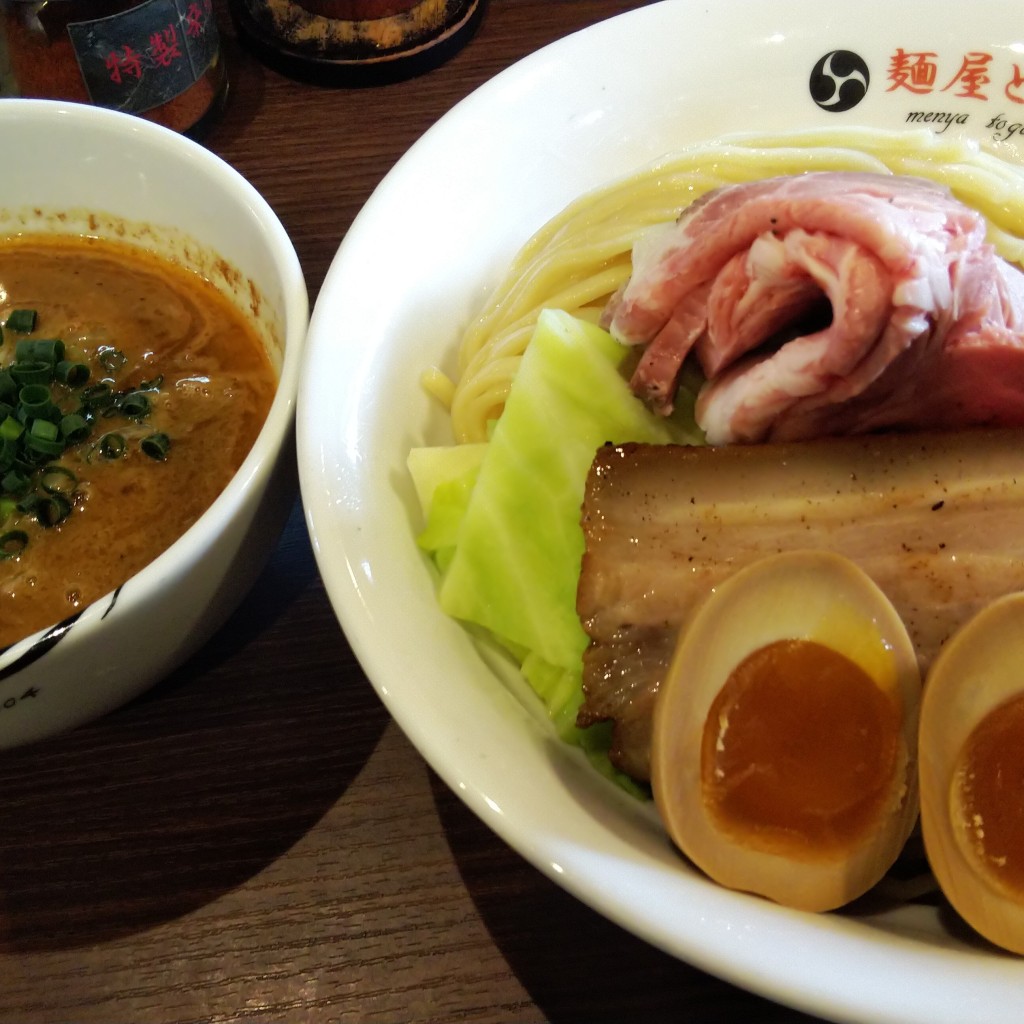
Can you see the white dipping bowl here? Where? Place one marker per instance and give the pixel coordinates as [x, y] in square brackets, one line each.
[76, 169]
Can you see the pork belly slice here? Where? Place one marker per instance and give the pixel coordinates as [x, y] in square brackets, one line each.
[937, 520]
[827, 303]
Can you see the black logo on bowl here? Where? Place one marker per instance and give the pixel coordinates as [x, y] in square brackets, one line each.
[839, 81]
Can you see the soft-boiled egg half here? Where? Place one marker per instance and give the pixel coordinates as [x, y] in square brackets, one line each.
[972, 771]
[785, 732]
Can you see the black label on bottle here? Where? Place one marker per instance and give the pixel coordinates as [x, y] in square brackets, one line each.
[146, 56]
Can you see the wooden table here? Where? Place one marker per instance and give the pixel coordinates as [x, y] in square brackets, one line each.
[255, 840]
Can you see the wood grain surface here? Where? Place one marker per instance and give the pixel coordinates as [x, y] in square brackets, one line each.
[255, 840]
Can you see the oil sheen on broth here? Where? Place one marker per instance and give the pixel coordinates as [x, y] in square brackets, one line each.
[217, 386]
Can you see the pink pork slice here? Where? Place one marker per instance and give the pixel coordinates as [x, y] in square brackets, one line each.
[827, 303]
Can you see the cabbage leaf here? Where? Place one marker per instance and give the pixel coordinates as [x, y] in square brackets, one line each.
[503, 523]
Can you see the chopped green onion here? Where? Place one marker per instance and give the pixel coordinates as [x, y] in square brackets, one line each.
[156, 446]
[111, 446]
[12, 543]
[112, 359]
[97, 397]
[42, 437]
[58, 480]
[52, 509]
[71, 373]
[44, 430]
[21, 320]
[134, 405]
[34, 372]
[39, 350]
[43, 448]
[35, 400]
[11, 429]
[14, 482]
[74, 428]
[48, 406]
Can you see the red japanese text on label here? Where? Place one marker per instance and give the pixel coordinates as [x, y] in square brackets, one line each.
[124, 64]
[196, 16]
[972, 76]
[164, 49]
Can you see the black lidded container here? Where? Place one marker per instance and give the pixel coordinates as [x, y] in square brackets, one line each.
[355, 42]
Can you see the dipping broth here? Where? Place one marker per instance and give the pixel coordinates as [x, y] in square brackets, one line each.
[141, 324]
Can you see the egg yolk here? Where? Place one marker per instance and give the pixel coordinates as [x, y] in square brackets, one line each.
[799, 751]
[990, 780]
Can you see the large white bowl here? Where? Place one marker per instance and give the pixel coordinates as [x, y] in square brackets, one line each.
[75, 168]
[407, 277]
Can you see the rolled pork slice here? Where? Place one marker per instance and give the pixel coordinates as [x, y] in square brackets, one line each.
[827, 303]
